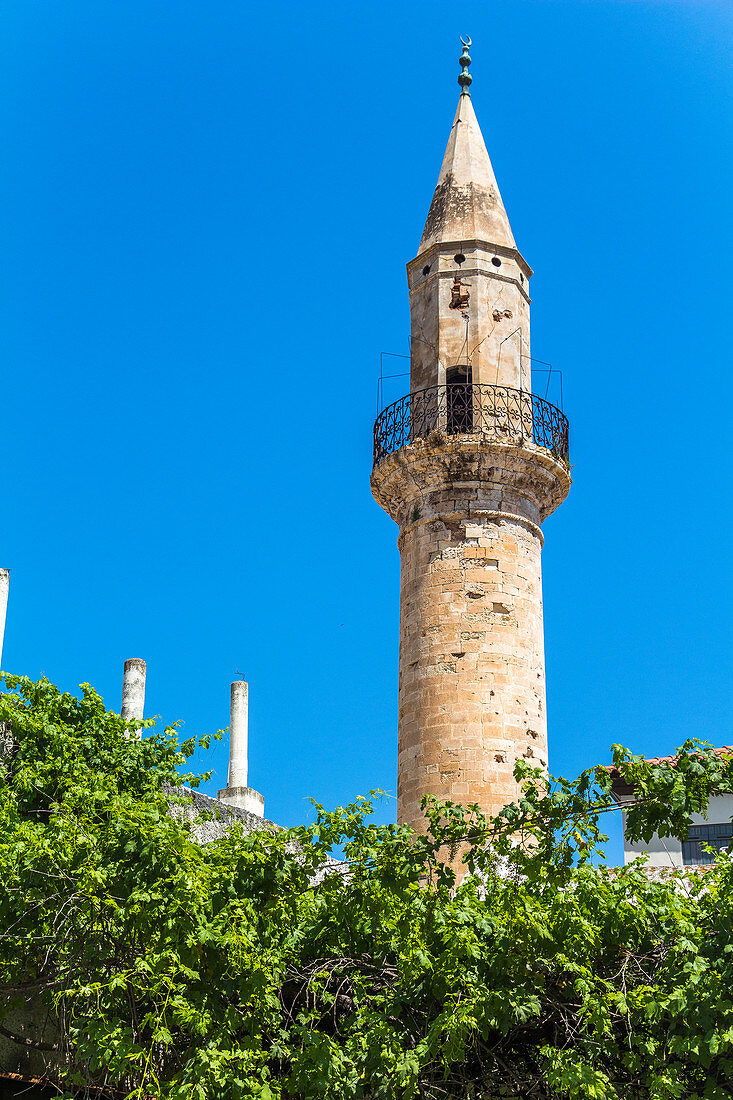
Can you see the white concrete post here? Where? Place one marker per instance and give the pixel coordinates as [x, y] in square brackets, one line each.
[4, 588]
[238, 732]
[236, 792]
[133, 690]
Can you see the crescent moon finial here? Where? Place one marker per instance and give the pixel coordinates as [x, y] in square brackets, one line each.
[465, 60]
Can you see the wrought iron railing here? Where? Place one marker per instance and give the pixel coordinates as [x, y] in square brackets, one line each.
[464, 408]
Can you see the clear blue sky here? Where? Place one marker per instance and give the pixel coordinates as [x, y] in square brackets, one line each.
[206, 212]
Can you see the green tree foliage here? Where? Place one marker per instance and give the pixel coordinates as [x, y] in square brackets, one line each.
[242, 969]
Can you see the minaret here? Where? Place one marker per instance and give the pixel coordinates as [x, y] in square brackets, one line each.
[469, 465]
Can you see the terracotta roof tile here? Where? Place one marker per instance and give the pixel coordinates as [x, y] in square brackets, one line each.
[723, 750]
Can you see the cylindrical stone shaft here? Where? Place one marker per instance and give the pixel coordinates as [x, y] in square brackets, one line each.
[238, 732]
[4, 588]
[133, 690]
[472, 678]
[472, 683]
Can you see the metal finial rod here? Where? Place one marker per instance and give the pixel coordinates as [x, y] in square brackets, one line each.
[464, 60]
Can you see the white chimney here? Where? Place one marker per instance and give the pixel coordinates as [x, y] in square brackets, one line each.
[4, 588]
[133, 690]
[237, 793]
[238, 733]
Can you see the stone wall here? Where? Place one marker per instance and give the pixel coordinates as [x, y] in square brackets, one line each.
[223, 816]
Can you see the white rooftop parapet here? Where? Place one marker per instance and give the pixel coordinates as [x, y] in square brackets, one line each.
[4, 589]
[236, 792]
[133, 690]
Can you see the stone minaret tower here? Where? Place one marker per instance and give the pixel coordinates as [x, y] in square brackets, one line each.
[469, 465]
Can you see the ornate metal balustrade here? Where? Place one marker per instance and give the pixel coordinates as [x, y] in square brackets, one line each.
[497, 413]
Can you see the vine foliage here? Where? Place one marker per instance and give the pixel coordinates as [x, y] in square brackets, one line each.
[242, 968]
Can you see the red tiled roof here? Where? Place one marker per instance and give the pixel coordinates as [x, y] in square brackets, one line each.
[723, 750]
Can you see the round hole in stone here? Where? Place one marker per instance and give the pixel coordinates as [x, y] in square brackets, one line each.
[426, 269]
[459, 258]
[496, 261]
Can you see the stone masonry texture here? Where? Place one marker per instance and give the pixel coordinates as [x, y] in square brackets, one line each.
[471, 664]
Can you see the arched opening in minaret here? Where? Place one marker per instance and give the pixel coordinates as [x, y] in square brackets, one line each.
[459, 398]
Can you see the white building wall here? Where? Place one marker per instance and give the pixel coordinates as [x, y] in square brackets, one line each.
[667, 851]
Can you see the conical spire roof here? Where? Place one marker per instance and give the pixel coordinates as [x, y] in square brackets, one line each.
[466, 205]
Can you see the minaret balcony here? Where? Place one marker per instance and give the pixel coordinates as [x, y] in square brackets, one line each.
[494, 414]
